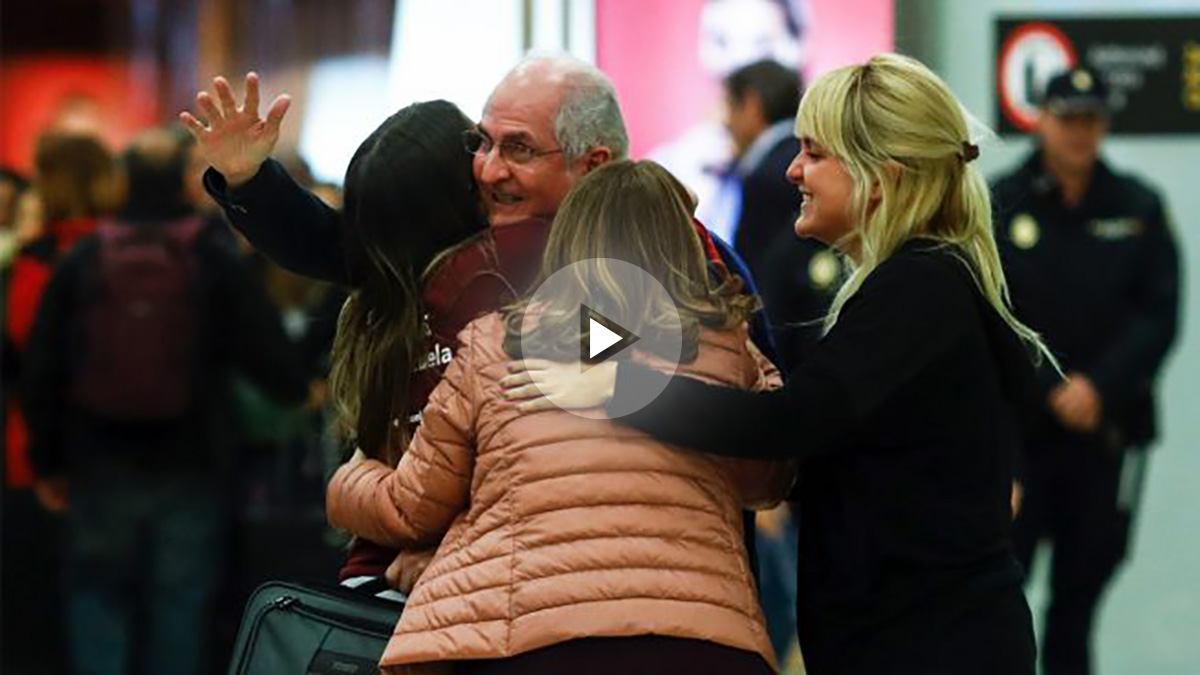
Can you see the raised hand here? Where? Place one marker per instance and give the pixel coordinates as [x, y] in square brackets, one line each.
[236, 141]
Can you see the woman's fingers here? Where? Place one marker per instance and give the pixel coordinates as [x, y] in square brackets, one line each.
[535, 405]
[523, 392]
[516, 380]
[530, 364]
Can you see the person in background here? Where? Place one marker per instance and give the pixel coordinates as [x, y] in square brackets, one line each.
[760, 108]
[905, 415]
[12, 186]
[126, 386]
[1094, 267]
[75, 182]
[571, 546]
[797, 276]
[29, 537]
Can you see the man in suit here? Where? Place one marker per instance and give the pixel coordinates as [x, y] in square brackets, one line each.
[797, 277]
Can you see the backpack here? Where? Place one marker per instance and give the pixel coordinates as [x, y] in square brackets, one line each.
[139, 325]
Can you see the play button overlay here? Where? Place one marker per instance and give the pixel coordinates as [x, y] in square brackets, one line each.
[601, 310]
[602, 337]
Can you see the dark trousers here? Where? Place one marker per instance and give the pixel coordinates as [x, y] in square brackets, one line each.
[969, 633]
[1080, 497]
[631, 655]
[142, 558]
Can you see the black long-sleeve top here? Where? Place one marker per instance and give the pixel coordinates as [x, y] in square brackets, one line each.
[903, 418]
[285, 222]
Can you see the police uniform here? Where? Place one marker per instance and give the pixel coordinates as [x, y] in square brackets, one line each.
[1100, 282]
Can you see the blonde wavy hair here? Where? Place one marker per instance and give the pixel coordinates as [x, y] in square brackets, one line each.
[903, 138]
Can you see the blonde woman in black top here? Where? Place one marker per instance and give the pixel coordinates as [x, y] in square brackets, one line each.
[904, 417]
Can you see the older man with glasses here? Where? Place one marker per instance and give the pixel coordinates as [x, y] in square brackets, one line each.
[549, 122]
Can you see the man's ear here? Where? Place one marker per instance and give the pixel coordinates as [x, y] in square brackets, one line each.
[596, 157]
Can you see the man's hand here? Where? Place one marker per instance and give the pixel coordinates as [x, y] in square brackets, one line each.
[407, 568]
[236, 141]
[1077, 404]
[52, 493]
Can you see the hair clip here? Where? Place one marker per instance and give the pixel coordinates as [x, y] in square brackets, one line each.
[970, 152]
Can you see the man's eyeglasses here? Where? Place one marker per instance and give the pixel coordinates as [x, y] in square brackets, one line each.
[514, 152]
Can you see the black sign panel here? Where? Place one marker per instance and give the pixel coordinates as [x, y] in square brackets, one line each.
[1152, 67]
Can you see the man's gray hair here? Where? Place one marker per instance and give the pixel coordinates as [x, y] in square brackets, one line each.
[589, 116]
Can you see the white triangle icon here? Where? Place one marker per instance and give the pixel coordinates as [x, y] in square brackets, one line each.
[599, 338]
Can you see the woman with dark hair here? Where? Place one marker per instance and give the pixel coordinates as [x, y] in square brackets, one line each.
[419, 259]
[409, 197]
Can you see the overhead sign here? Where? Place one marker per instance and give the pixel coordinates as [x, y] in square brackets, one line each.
[1151, 65]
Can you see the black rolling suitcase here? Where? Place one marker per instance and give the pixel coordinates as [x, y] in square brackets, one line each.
[307, 629]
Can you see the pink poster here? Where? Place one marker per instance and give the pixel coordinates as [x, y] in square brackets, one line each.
[667, 59]
[652, 49]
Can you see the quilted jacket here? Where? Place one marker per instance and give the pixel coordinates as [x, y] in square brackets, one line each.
[559, 527]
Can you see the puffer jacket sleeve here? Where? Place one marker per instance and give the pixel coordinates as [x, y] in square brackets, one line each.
[415, 503]
[761, 484]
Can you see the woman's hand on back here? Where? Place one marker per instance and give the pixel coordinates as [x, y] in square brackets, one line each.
[236, 140]
[536, 384]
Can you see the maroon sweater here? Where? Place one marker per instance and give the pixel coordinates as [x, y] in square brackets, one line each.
[476, 280]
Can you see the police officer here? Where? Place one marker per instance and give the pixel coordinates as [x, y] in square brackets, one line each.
[1093, 266]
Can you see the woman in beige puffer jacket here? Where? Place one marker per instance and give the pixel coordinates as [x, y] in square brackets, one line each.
[571, 541]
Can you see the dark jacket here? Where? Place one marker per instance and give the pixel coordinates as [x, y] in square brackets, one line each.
[797, 277]
[903, 419]
[238, 330]
[1100, 282]
[769, 202]
[26, 281]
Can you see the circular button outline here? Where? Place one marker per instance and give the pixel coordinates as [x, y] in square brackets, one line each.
[620, 292]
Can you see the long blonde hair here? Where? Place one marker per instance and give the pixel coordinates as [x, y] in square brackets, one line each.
[903, 137]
